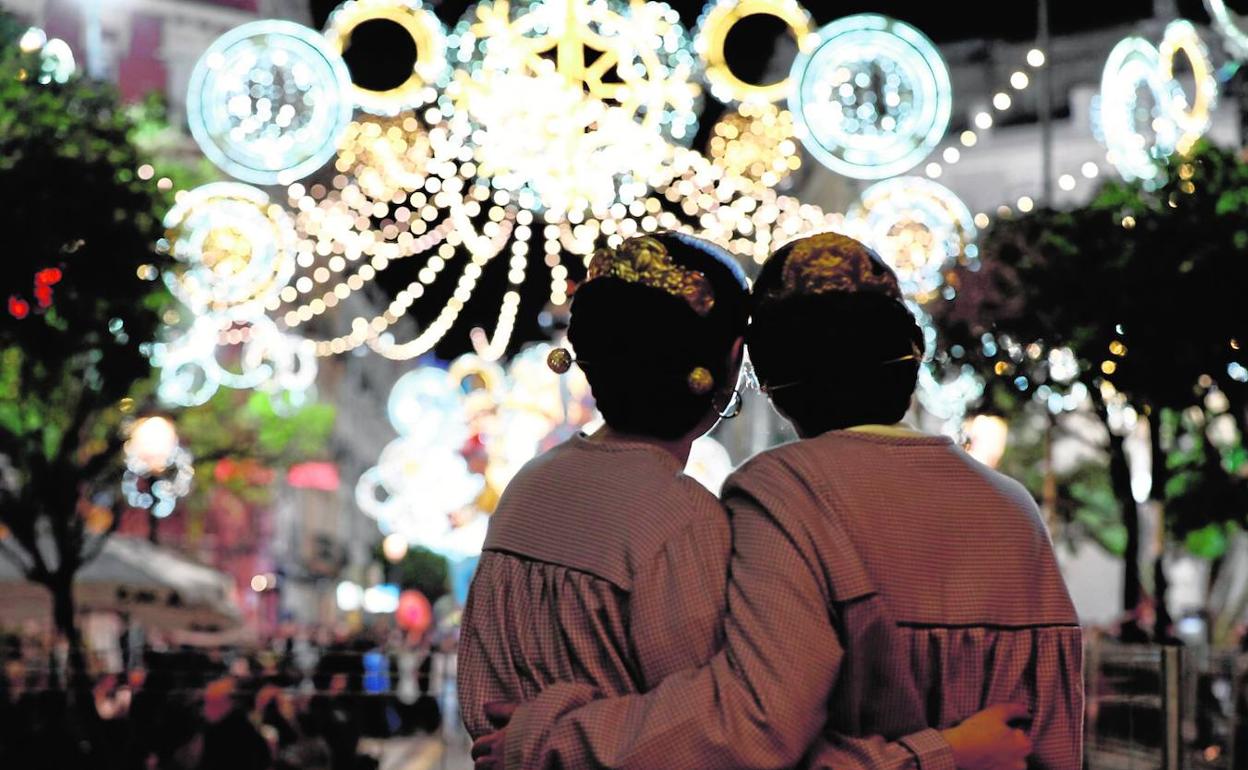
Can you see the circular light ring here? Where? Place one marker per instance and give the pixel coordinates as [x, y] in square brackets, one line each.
[711, 35]
[191, 370]
[918, 226]
[236, 244]
[428, 36]
[1134, 63]
[1192, 116]
[268, 102]
[1230, 26]
[852, 55]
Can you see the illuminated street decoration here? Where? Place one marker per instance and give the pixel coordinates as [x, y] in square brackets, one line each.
[268, 102]
[756, 141]
[158, 469]
[235, 247]
[56, 59]
[872, 97]
[1230, 25]
[428, 37]
[1194, 115]
[455, 188]
[423, 405]
[573, 100]
[464, 433]
[918, 226]
[1138, 133]
[711, 35]
[260, 356]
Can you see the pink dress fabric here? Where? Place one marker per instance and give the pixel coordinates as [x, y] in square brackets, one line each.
[604, 565]
[882, 587]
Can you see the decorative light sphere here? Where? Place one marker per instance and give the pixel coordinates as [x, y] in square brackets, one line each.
[918, 226]
[428, 37]
[268, 102]
[872, 98]
[235, 245]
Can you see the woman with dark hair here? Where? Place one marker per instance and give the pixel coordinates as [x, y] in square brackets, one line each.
[604, 563]
[891, 602]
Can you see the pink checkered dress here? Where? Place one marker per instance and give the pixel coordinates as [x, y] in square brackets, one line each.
[604, 565]
[882, 586]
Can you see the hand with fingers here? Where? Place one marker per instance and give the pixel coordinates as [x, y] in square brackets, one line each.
[489, 752]
[992, 739]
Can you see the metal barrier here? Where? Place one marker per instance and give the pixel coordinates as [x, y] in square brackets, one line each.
[1154, 707]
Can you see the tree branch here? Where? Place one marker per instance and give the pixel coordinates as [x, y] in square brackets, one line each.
[15, 557]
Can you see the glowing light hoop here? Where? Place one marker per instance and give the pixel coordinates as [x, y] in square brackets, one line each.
[910, 64]
[288, 130]
[236, 244]
[427, 35]
[1228, 23]
[917, 226]
[1193, 117]
[712, 32]
[1134, 63]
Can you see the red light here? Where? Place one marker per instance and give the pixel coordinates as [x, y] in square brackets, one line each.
[314, 475]
[43, 295]
[18, 308]
[49, 276]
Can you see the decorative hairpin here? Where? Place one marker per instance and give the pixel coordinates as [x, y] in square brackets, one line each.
[645, 261]
[700, 379]
[831, 262]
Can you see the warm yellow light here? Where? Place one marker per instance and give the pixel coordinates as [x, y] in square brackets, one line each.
[153, 441]
[394, 547]
[713, 31]
[987, 437]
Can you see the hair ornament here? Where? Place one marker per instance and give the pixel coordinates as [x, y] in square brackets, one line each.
[701, 381]
[831, 262]
[559, 360]
[645, 261]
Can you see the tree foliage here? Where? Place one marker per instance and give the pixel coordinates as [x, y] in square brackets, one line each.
[80, 303]
[1134, 302]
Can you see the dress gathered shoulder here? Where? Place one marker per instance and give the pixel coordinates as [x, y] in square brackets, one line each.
[604, 565]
